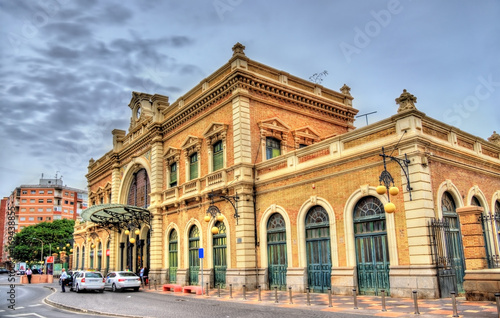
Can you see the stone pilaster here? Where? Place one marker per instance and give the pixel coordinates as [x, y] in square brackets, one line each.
[241, 128]
[245, 272]
[472, 237]
[115, 183]
[156, 178]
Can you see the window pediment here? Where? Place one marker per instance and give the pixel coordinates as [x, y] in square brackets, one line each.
[172, 155]
[215, 132]
[305, 135]
[191, 145]
[273, 127]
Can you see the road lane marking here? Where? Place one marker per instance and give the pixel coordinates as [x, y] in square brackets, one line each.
[25, 315]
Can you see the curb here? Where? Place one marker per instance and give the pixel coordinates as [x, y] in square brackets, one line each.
[80, 310]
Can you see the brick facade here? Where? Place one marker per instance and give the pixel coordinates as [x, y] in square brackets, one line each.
[324, 161]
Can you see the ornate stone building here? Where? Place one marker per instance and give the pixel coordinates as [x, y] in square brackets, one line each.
[267, 173]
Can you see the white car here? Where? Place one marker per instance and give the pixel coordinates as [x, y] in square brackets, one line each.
[88, 281]
[122, 280]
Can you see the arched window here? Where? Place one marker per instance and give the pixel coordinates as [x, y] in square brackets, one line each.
[218, 156]
[77, 262]
[172, 256]
[193, 166]
[107, 256]
[83, 257]
[273, 147]
[475, 201]
[99, 256]
[139, 189]
[194, 260]
[319, 261]
[372, 256]
[454, 241]
[276, 251]
[220, 254]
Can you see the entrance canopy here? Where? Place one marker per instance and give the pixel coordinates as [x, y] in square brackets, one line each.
[117, 217]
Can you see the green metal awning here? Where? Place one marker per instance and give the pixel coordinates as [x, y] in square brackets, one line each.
[117, 217]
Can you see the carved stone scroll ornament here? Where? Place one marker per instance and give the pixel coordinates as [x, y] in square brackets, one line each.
[495, 138]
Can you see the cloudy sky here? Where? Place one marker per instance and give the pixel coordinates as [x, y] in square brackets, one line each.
[67, 68]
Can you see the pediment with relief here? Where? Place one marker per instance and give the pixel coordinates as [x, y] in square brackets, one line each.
[274, 127]
[191, 145]
[172, 155]
[215, 132]
[306, 132]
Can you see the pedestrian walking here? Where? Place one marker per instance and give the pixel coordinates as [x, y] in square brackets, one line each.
[63, 278]
[141, 275]
[28, 274]
[145, 275]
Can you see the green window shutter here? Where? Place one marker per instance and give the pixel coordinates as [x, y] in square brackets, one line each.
[173, 174]
[218, 156]
[193, 167]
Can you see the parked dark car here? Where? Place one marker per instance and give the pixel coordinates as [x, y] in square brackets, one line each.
[4, 271]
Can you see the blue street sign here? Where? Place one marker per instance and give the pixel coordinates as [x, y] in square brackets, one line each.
[200, 253]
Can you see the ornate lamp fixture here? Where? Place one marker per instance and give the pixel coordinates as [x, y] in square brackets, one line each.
[387, 181]
[214, 212]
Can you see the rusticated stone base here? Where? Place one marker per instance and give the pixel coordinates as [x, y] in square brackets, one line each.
[482, 284]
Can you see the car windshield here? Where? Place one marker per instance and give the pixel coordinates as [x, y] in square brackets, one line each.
[93, 275]
[127, 274]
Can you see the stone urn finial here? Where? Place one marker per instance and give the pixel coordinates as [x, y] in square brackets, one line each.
[495, 138]
[406, 101]
[238, 48]
[346, 90]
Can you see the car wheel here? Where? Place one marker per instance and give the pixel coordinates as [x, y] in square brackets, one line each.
[77, 288]
[113, 287]
[136, 288]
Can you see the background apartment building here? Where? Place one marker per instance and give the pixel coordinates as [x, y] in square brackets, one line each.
[43, 202]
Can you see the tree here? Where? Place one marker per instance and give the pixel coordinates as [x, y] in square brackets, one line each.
[26, 245]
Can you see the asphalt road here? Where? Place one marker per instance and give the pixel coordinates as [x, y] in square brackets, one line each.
[146, 304]
[27, 301]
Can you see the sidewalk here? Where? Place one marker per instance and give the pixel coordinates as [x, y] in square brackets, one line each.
[367, 305]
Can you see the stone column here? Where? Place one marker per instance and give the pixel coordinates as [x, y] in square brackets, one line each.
[472, 237]
[115, 183]
[156, 182]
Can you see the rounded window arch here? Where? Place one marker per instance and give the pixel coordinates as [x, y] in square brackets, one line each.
[371, 244]
[194, 260]
[173, 259]
[318, 251]
[276, 250]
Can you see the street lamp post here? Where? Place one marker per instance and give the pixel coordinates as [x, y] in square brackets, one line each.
[41, 254]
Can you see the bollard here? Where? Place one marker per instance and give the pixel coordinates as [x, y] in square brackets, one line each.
[383, 300]
[290, 294]
[230, 290]
[244, 292]
[355, 298]
[330, 297]
[149, 285]
[260, 298]
[207, 289]
[275, 295]
[308, 297]
[497, 297]
[218, 291]
[454, 303]
[155, 285]
[415, 302]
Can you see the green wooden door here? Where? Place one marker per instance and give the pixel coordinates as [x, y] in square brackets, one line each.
[220, 255]
[194, 260]
[319, 261]
[454, 240]
[172, 257]
[276, 251]
[372, 255]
